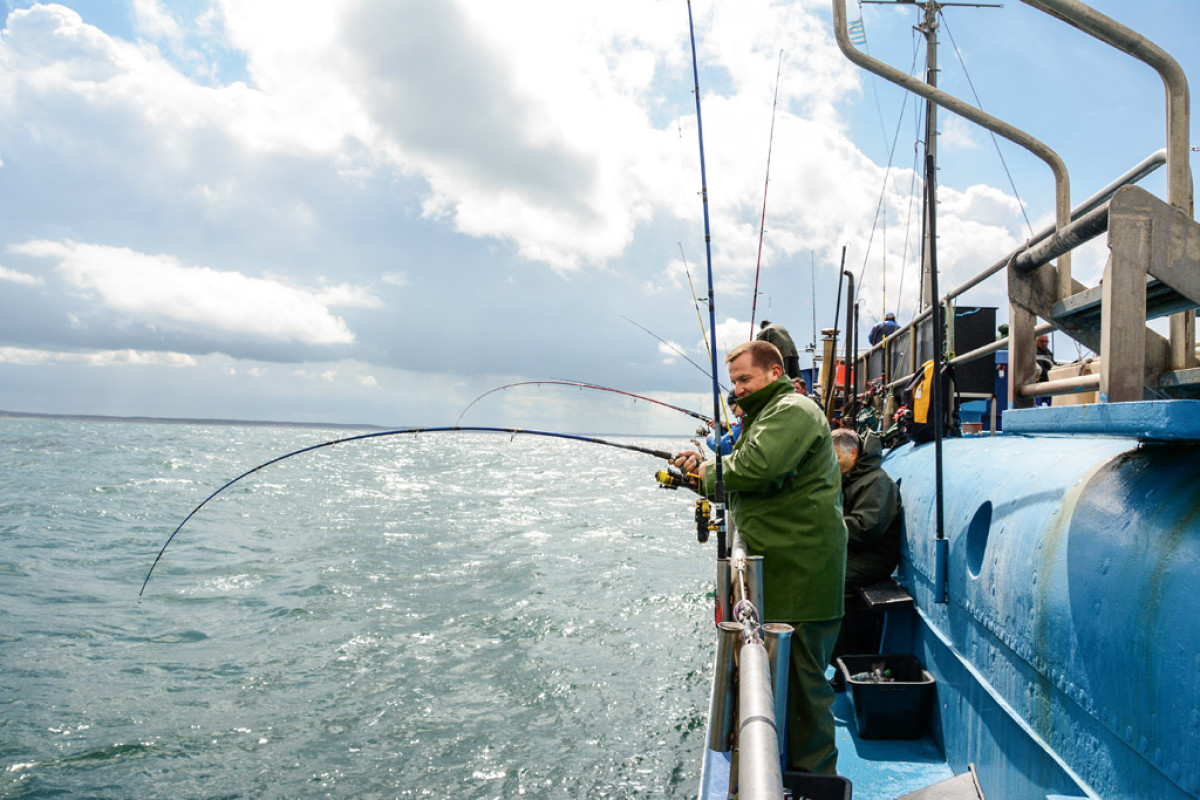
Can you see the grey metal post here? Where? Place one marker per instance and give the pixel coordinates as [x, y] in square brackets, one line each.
[759, 773]
[720, 712]
[777, 636]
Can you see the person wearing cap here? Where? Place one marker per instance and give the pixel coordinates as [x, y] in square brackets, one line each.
[882, 329]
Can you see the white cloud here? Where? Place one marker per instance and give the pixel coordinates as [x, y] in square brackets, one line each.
[23, 278]
[99, 358]
[395, 278]
[158, 290]
[957, 134]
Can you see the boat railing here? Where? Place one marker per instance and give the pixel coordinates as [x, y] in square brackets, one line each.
[1153, 257]
[748, 708]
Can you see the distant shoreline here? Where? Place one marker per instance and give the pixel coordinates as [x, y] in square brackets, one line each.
[185, 420]
[273, 423]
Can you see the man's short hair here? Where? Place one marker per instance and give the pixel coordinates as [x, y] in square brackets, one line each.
[846, 441]
[763, 355]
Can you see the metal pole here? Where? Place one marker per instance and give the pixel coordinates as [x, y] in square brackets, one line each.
[759, 773]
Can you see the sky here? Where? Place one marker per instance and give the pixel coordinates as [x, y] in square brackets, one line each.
[375, 211]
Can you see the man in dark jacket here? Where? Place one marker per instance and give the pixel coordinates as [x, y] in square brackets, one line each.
[784, 497]
[777, 335]
[871, 508]
[882, 329]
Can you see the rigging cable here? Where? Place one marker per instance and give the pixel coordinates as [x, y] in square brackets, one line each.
[762, 228]
[718, 503]
[379, 434]
[995, 141]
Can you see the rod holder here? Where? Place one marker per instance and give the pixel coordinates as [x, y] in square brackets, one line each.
[777, 637]
[720, 712]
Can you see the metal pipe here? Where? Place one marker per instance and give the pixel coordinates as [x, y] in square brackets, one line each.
[1108, 30]
[1082, 230]
[720, 712]
[777, 637]
[759, 773]
[1079, 383]
[1062, 181]
[1142, 169]
[848, 365]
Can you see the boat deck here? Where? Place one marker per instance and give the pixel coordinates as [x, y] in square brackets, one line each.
[878, 769]
[884, 769]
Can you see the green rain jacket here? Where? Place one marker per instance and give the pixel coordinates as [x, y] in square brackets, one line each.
[783, 488]
[872, 511]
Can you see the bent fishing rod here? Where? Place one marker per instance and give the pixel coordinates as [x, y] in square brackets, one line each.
[378, 435]
[582, 385]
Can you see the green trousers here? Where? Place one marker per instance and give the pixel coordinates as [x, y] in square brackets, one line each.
[811, 744]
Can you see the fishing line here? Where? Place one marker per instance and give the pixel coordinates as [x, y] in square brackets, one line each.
[675, 349]
[192, 771]
[380, 434]
[762, 228]
[581, 385]
[703, 334]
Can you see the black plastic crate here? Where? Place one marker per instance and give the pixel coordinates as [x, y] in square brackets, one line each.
[807, 786]
[893, 709]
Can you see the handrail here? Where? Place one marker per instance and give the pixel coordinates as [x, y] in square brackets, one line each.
[1109, 31]
[1179, 173]
[1142, 169]
[1062, 181]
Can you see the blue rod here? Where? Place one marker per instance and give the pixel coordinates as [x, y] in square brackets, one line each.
[719, 485]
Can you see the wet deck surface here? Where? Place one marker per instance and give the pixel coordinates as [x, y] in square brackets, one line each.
[884, 769]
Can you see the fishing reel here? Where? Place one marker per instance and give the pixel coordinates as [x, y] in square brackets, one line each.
[673, 477]
[704, 522]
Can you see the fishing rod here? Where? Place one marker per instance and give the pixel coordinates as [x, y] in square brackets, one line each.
[581, 385]
[377, 435]
[762, 228]
[695, 302]
[718, 506]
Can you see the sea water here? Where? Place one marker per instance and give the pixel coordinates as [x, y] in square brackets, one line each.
[435, 615]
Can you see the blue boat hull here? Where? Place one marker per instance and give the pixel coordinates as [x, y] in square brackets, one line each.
[1067, 657]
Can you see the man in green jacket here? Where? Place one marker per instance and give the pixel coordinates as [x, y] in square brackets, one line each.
[784, 487]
